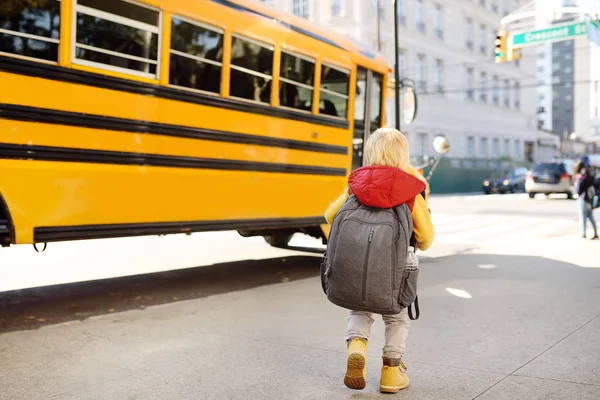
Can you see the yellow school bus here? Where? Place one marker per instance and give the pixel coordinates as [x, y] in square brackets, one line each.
[126, 118]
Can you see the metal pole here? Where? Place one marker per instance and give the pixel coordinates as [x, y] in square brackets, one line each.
[397, 66]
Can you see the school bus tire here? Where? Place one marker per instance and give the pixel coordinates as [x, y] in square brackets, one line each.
[279, 240]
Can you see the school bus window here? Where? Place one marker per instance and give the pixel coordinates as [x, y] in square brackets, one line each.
[376, 101]
[30, 29]
[196, 56]
[334, 91]
[251, 70]
[296, 81]
[117, 36]
[360, 99]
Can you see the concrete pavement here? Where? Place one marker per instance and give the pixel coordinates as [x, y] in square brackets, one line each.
[516, 321]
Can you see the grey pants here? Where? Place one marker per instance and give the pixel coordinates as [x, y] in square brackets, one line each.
[396, 331]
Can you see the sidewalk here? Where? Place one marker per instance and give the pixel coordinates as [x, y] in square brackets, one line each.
[491, 327]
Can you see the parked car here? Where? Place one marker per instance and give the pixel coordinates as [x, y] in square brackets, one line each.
[549, 178]
[512, 182]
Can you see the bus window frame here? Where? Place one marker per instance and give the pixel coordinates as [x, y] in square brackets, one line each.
[267, 44]
[76, 7]
[304, 57]
[339, 68]
[207, 26]
[38, 38]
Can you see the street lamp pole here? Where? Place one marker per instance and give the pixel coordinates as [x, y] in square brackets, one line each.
[396, 66]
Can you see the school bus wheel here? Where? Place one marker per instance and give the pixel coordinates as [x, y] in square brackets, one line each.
[279, 240]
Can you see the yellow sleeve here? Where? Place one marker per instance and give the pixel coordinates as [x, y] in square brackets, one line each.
[423, 227]
[336, 205]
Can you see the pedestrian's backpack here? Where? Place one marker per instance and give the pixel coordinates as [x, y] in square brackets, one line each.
[364, 266]
[592, 197]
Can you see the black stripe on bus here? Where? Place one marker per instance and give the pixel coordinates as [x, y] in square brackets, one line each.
[66, 154]
[59, 233]
[49, 116]
[53, 72]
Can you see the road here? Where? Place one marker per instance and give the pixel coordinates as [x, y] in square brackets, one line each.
[509, 300]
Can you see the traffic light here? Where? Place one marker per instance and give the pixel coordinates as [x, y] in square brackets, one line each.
[500, 52]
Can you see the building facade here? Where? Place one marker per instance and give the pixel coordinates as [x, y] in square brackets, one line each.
[486, 110]
[568, 74]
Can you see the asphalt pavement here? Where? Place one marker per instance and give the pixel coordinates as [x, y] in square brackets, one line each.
[509, 310]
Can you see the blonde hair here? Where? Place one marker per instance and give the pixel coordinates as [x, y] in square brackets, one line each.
[387, 147]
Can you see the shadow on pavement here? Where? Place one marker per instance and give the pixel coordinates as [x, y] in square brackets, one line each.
[36, 307]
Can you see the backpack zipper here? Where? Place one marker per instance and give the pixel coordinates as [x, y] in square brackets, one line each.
[364, 296]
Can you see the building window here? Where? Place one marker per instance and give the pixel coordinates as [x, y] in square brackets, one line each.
[420, 25]
[506, 93]
[251, 69]
[495, 98]
[470, 146]
[483, 88]
[483, 39]
[401, 62]
[517, 95]
[483, 151]
[496, 148]
[506, 147]
[401, 16]
[422, 144]
[296, 85]
[438, 75]
[336, 8]
[421, 82]
[469, 34]
[334, 91]
[196, 56]
[518, 150]
[300, 8]
[495, 6]
[470, 84]
[437, 22]
[31, 29]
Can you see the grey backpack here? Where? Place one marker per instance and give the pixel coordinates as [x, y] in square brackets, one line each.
[364, 266]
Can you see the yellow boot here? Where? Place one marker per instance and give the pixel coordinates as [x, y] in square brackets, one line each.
[356, 372]
[393, 376]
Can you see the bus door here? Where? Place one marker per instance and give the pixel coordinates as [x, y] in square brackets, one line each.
[367, 111]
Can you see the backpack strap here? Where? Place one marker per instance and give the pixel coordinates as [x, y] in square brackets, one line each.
[417, 310]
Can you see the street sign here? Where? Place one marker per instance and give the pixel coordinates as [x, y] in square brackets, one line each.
[555, 33]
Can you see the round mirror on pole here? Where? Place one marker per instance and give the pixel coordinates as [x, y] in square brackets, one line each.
[409, 105]
[441, 145]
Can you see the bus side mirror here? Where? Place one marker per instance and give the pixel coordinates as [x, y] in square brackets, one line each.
[441, 145]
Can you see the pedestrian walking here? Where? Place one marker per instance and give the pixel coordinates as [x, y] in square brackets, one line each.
[384, 184]
[584, 187]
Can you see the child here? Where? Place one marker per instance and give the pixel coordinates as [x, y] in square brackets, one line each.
[383, 183]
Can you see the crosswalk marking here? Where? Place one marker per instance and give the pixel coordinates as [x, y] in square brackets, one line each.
[494, 229]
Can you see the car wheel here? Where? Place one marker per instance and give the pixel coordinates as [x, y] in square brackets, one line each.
[569, 196]
[531, 195]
